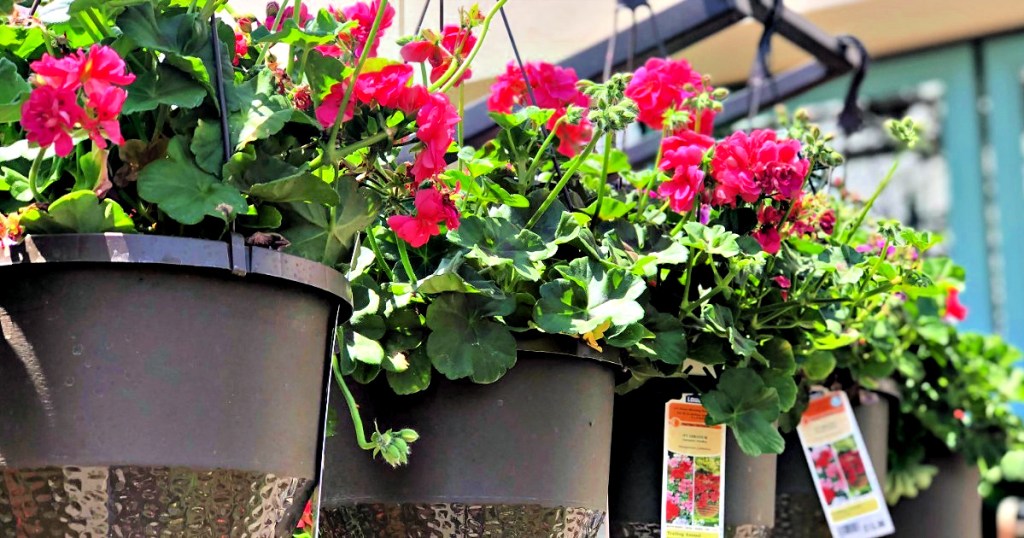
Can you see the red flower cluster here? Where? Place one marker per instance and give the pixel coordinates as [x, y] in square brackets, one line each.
[671, 510]
[80, 90]
[661, 86]
[751, 165]
[955, 310]
[364, 14]
[241, 47]
[432, 208]
[435, 123]
[388, 87]
[683, 154]
[554, 88]
[440, 51]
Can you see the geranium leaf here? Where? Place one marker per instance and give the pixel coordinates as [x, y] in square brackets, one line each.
[325, 234]
[320, 31]
[14, 91]
[414, 378]
[78, 212]
[587, 296]
[464, 343]
[497, 241]
[744, 403]
[264, 116]
[779, 353]
[785, 385]
[819, 365]
[298, 188]
[668, 343]
[165, 86]
[184, 192]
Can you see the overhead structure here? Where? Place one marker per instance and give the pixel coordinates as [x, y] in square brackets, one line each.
[687, 23]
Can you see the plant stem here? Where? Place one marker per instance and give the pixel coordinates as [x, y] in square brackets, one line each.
[403, 254]
[102, 28]
[449, 78]
[562, 182]
[543, 148]
[353, 407]
[871, 201]
[379, 256]
[33, 175]
[349, 149]
[296, 12]
[645, 192]
[707, 296]
[608, 146]
[161, 119]
[333, 141]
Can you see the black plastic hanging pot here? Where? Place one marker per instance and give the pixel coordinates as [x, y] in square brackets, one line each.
[950, 507]
[798, 509]
[525, 456]
[148, 388]
[637, 444]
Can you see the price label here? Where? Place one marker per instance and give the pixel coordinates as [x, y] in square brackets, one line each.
[693, 473]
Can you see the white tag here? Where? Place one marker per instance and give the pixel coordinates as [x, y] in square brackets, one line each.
[844, 478]
[693, 473]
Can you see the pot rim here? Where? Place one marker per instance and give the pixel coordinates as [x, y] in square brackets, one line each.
[232, 257]
[566, 346]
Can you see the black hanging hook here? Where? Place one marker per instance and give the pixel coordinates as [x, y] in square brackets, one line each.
[423, 17]
[852, 117]
[760, 71]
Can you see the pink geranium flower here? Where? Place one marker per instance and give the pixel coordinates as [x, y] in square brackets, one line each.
[364, 14]
[327, 112]
[432, 208]
[660, 85]
[440, 51]
[955, 310]
[105, 107]
[289, 12]
[436, 122]
[50, 116]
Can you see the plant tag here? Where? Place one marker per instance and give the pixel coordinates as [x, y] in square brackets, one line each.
[844, 478]
[692, 492]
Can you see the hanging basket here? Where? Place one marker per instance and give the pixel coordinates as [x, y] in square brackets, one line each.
[147, 387]
[525, 456]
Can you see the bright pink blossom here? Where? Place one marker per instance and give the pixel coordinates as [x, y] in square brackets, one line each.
[684, 149]
[683, 188]
[289, 13]
[769, 239]
[553, 87]
[955, 310]
[61, 73]
[102, 110]
[241, 48]
[385, 87]
[435, 122]
[327, 112]
[440, 51]
[97, 69]
[365, 14]
[49, 116]
[432, 208]
[749, 165]
[660, 86]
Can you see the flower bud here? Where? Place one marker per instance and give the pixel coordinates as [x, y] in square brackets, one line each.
[409, 435]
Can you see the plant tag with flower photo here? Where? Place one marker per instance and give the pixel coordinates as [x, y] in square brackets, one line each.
[844, 477]
[692, 492]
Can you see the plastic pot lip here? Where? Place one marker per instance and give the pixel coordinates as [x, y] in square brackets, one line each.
[566, 346]
[162, 250]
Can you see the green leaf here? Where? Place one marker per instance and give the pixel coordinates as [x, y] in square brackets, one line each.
[587, 296]
[165, 86]
[713, 240]
[263, 117]
[206, 146]
[497, 242]
[78, 212]
[93, 172]
[185, 192]
[785, 385]
[14, 91]
[779, 353]
[322, 30]
[266, 217]
[414, 378]
[669, 342]
[325, 234]
[744, 403]
[819, 365]
[299, 188]
[464, 343]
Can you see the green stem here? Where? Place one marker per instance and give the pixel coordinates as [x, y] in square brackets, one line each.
[871, 201]
[102, 28]
[608, 146]
[687, 276]
[161, 119]
[645, 194]
[403, 254]
[370, 38]
[707, 296]
[543, 148]
[192, 6]
[449, 78]
[553, 195]
[462, 114]
[379, 256]
[33, 175]
[296, 12]
[353, 407]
